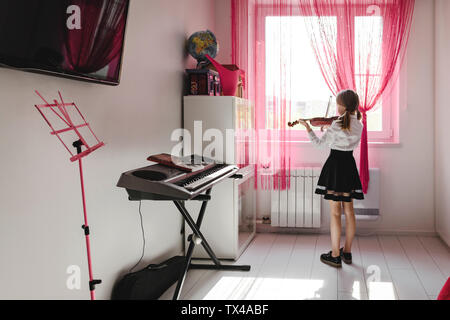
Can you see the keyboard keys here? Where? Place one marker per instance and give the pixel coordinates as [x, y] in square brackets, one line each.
[200, 179]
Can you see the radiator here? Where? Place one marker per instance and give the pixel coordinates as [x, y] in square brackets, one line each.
[369, 208]
[297, 206]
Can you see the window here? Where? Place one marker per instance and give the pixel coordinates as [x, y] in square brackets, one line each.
[305, 87]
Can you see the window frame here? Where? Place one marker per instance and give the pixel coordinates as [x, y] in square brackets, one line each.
[390, 102]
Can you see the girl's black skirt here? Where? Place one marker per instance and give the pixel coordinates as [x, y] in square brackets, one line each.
[339, 179]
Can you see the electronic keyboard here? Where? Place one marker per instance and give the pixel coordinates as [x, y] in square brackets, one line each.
[170, 181]
[160, 182]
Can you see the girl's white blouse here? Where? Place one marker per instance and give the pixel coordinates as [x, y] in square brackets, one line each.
[338, 139]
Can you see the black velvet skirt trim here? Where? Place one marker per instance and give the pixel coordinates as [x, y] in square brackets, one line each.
[339, 178]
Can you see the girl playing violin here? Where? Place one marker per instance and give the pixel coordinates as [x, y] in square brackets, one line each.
[339, 180]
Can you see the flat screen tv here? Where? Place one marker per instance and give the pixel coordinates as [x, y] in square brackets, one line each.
[80, 39]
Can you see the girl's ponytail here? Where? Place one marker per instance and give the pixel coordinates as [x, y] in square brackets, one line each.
[350, 100]
[345, 121]
[358, 114]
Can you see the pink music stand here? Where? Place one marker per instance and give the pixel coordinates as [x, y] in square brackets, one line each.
[60, 110]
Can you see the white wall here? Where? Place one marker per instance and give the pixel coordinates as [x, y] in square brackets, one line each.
[223, 30]
[442, 144]
[40, 202]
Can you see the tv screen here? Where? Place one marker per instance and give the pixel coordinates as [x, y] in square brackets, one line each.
[81, 39]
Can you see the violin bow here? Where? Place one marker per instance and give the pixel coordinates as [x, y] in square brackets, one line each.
[328, 106]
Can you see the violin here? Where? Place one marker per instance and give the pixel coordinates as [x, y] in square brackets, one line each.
[315, 122]
[318, 121]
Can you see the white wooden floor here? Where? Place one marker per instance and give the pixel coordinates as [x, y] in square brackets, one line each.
[288, 267]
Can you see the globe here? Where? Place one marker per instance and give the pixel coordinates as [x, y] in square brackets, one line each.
[201, 43]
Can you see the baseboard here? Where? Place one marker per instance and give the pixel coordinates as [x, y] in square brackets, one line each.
[406, 233]
[445, 239]
[267, 228]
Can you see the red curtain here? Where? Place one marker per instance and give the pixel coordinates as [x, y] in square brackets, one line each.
[99, 40]
[359, 45]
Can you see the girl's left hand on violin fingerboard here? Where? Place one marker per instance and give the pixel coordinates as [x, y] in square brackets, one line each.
[305, 124]
[302, 122]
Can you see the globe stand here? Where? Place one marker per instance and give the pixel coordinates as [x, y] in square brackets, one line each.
[202, 64]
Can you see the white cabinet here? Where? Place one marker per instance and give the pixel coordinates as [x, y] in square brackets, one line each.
[229, 224]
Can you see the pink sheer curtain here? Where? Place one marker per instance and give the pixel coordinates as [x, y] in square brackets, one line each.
[363, 51]
[273, 99]
[359, 45]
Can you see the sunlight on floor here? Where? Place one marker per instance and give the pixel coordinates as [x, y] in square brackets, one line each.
[381, 290]
[264, 288]
[356, 294]
[241, 288]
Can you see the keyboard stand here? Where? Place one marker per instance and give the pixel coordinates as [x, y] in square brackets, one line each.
[196, 237]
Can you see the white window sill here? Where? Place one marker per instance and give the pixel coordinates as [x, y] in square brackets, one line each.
[385, 144]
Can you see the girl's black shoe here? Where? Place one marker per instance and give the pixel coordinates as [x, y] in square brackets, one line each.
[346, 256]
[328, 259]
